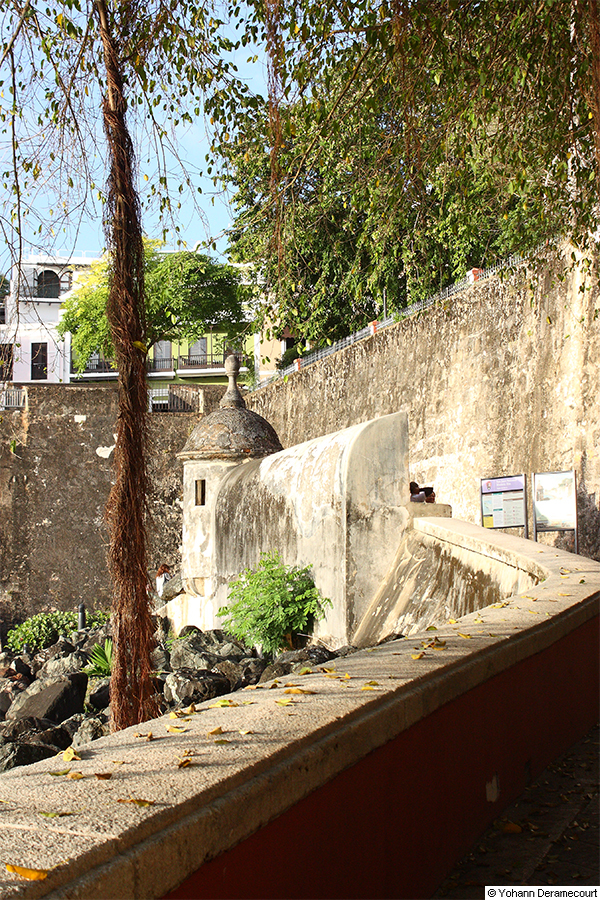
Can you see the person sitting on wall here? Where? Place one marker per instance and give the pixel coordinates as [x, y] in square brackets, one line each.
[421, 495]
[162, 576]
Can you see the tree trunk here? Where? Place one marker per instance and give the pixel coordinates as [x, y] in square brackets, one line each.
[132, 694]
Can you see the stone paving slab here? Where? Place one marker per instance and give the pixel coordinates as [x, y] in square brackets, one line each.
[559, 843]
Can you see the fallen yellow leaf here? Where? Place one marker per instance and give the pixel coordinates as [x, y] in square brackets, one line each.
[367, 687]
[70, 754]
[184, 763]
[103, 776]
[62, 772]
[512, 828]
[222, 741]
[217, 730]
[297, 690]
[55, 815]
[290, 684]
[190, 709]
[305, 671]
[463, 635]
[75, 775]
[419, 655]
[30, 874]
[245, 731]
[175, 729]
[284, 702]
[137, 801]
[451, 621]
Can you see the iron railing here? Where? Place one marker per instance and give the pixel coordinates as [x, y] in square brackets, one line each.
[176, 398]
[477, 274]
[202, 361]
[13, 398]
[162, 364]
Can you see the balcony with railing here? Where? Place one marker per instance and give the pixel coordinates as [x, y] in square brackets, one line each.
[202, 361]
[96, 365]
[184, 365]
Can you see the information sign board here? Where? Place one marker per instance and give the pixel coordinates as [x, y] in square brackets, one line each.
[503, 502]
[555, 501]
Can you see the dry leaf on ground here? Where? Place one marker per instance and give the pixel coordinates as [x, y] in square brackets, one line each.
[30, 874]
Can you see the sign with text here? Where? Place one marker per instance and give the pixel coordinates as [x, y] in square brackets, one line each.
[554, 501]
[503, 502]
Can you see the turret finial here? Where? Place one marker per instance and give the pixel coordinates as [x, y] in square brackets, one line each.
[232, 396]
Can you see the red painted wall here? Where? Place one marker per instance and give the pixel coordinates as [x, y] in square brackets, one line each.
[394, 824]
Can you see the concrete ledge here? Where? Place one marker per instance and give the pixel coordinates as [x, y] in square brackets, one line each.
[279, 757]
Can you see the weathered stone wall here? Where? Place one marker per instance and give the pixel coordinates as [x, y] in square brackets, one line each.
[54, 487]
[500, 379]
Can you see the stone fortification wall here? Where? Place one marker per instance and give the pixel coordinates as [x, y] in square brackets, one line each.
[498, 380]
[56, 460]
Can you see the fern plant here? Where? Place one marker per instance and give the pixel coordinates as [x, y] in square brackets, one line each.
[101, 661]
[272, 603]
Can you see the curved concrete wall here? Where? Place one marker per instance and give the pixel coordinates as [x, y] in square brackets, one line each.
[337, 503]
[444, 568]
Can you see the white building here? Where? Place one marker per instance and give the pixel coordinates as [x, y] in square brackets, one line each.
[30, 348]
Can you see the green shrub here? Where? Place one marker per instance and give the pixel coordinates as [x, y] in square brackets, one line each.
[271, 603]
[44, 629]
[101, 661]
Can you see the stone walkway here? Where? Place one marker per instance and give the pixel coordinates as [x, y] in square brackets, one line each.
[549, 836]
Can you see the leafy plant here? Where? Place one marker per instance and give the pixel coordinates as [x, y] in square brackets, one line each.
[101, 661]
[43, 630]
[271, 603]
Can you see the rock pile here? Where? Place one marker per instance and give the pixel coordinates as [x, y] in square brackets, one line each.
[48, 703]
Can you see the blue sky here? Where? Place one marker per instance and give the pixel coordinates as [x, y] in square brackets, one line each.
[214, 214]
[203, 217]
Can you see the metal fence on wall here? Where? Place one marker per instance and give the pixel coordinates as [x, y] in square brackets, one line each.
[476, 275]
[13, 398]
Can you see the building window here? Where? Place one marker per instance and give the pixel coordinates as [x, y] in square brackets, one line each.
[6, 362]
[197, 353]
[48, 285]
[201, 492]
[66, 281]
[162, 356]
[39, 361]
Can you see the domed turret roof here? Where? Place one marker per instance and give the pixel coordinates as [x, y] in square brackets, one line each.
[232, 431]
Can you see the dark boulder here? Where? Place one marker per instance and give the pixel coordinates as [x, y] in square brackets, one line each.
[56, 700]
[64, 665]
[252, 668]
[90, 729]
[191, 652]
[23, 665]
[100, 697]
[187, 686]
[22, 754]
[275, 670]
[161, 659]
[232, 672]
